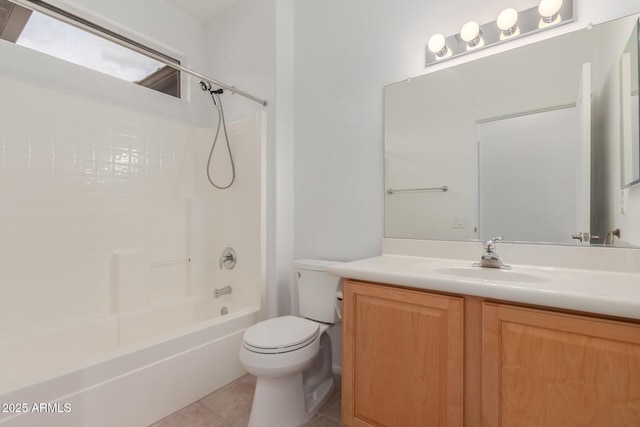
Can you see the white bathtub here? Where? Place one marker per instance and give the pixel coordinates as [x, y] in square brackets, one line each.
[122, 370]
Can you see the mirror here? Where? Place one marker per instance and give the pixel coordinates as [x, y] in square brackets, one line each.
[630, 111]
[516, 139]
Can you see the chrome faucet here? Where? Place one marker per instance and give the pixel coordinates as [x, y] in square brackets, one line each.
[217, 293]
[491, 259]
[228, 259]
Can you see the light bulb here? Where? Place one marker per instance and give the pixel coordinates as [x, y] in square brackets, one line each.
[470, 33]
[548, 10]
[437, 45]
[507, 23]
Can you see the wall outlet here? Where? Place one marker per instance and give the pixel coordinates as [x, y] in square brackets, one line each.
[458, 221]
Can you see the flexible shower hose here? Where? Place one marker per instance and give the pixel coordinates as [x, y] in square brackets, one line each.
[221, 124]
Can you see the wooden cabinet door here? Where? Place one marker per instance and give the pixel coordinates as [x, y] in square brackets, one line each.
[402, 357]
[542, 368]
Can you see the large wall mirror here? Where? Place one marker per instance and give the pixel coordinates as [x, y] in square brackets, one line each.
[525, 144]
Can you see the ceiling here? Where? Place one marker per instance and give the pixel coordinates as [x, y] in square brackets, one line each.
[202, 10]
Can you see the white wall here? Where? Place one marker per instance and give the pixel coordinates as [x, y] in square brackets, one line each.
[80, 181]
[329, 203]
[250, 45]
[229, 218]
[345, 52]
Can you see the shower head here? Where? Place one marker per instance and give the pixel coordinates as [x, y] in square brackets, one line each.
[206, 86]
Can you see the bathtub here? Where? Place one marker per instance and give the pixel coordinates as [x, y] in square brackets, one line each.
[123, 370]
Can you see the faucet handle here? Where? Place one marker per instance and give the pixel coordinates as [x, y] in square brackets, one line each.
[489, 245]
[228, 259]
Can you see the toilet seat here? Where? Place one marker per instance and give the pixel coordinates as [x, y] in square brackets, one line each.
[280, 335]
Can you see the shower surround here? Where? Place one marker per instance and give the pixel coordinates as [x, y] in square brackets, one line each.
[110, 235]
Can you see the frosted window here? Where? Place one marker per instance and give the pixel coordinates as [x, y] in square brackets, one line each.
[64, 41]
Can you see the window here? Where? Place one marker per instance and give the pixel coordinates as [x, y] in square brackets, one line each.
[64, 41]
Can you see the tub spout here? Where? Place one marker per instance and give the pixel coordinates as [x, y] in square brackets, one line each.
[217, 293]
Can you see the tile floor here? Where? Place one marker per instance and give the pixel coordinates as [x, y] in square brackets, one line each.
[230, 407]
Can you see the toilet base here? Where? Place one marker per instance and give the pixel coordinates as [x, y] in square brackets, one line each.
[315, 400]
[278, 402]
[318, 379]
[291, 400]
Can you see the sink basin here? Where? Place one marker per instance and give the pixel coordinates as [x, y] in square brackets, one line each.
[491, 274]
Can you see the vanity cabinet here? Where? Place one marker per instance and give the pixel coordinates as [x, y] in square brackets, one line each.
[414, 358]
[541, 368]
[402, 357]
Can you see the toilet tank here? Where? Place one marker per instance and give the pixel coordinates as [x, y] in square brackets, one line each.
[317, 290]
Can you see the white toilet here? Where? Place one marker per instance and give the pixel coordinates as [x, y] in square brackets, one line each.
[291, 356]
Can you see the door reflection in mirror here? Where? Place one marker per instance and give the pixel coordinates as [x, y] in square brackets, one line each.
[526, 175]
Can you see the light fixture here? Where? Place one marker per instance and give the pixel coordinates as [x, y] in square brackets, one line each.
[470, 33]
[437, 45]
[507, 22]
[549, 12]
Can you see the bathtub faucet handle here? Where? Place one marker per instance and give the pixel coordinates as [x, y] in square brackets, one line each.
[228, 259]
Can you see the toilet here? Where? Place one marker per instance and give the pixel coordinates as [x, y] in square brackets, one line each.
[290, 355]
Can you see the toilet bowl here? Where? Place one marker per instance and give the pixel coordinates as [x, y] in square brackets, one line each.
[291, 355]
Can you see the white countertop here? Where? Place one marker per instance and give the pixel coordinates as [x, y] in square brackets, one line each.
[591, 291]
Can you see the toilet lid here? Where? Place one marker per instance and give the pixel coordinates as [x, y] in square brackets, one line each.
[280, 334]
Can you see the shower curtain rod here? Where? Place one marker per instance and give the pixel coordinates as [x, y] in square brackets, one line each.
[83, 24]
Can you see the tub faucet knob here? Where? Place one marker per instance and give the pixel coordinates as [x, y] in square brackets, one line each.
[228, 259]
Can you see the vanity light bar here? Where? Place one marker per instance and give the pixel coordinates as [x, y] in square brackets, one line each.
[510, 24]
